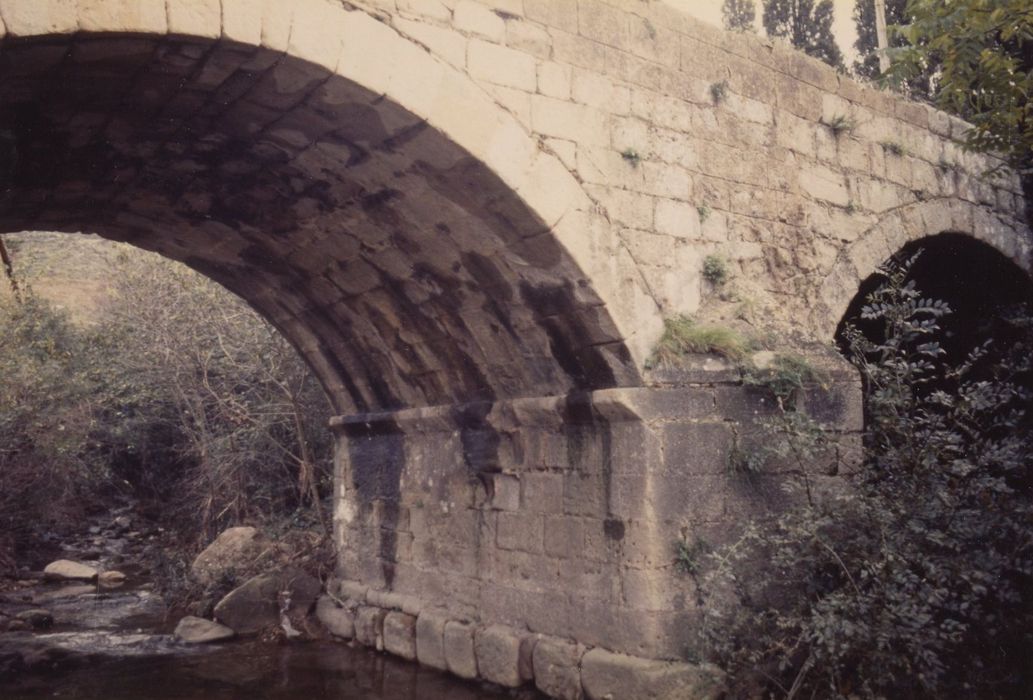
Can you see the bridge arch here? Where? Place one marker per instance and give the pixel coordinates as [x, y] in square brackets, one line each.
[400, 228]
[903, 226]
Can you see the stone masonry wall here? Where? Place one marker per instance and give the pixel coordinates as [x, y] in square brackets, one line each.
[559, 516]
[625, 93]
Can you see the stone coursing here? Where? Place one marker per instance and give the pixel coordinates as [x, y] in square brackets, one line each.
[471, 217]
[803, 210]
[555, 519]
[449, 200]
[513, 658]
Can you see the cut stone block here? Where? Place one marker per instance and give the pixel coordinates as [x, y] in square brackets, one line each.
[608, 676]
[369, 627]
[430, 640]
[460, 655]
[400, 635]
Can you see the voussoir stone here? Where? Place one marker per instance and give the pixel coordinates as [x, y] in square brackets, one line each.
[195, 630]
[63, 569]
[609, 676]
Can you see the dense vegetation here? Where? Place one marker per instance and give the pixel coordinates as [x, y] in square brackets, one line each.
[170, 391]
[983, 54]
[915, 579]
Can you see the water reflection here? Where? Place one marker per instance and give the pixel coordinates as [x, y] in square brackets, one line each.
[256, 672]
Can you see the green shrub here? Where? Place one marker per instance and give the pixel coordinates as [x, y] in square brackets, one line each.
[914, 578]
[715, 270]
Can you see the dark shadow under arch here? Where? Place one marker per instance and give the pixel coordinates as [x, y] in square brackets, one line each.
[979, 283]
[406, 271]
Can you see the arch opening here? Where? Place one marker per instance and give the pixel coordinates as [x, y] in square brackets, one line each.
[982, 287]
[405, 271]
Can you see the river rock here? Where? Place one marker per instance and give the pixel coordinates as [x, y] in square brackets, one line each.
[111, 579]
[65, 569]
[195, 630]
[251, 607]
[233, 550]
[37, 618]
[255, 605]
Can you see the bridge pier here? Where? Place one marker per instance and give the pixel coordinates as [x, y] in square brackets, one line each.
[558, 517]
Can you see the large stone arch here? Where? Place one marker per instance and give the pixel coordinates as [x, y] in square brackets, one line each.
[896, 229]
[404, 231]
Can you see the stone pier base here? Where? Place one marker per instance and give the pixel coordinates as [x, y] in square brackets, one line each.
[533, 540]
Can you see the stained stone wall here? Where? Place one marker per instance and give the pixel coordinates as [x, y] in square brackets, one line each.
[559, 516]
[471, 218]
[441, 201]
[623, 92]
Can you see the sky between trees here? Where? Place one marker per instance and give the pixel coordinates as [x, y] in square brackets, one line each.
[846, 35]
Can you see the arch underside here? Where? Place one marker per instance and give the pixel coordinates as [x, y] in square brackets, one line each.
[402, 268]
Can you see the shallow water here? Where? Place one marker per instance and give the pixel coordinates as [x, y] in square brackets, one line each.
[114, 644]
[255, 672]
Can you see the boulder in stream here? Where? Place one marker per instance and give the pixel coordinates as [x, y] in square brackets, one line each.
[196, 630]
[63, 569]
[233, 550]
[256, 604]
[251, 607]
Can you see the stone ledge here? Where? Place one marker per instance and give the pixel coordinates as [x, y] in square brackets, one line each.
[559, 668]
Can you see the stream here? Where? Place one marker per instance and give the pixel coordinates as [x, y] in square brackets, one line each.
[115, 643]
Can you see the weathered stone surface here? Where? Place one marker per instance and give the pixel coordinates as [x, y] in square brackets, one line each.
[195, 630]
[63, 569]
[369, 627]
[234, 549]
[557, 668]
[400, 635]
[460, 654]
[256, 603]
[300, 590]
[605, 174]
[251, 607]
[498, 655]
[430, 639]
[339, 621]
[605, 675]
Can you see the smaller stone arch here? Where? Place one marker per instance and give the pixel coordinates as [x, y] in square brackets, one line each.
[904, 225]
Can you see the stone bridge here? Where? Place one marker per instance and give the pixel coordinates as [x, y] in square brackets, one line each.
[471, 217]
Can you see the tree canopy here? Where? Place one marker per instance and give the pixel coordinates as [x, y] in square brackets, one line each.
[739, 15]
[807, 25]
[984, 51]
